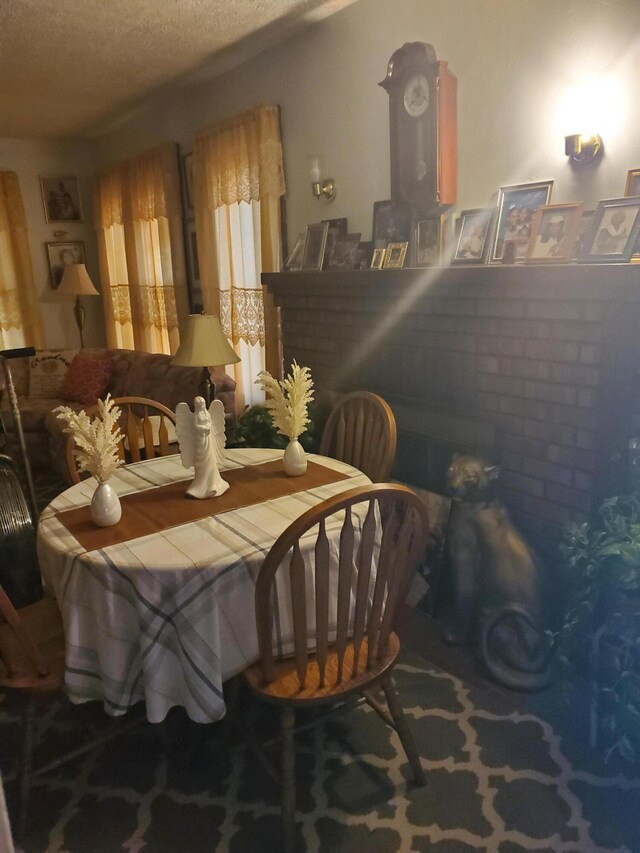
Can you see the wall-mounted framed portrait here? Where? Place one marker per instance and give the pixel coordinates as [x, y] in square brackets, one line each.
[61, 199]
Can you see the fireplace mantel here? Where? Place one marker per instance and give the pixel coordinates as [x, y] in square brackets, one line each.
[534, 366]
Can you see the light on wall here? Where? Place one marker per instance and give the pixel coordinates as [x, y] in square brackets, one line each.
[326, 187]
[582, 148]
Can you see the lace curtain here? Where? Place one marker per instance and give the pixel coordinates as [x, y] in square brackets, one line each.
[139, 225]
[20, 323]
[238, 181]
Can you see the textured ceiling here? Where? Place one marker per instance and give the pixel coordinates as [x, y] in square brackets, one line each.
[70, 67]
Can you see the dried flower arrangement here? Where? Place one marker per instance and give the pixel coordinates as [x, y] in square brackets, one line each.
[96, 439]
[287, 401]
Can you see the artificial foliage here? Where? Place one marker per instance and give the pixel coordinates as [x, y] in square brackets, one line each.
[600, 637]
[288, 400]
[96, 439]
[255, 428]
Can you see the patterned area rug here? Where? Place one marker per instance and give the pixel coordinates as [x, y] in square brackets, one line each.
[497, 783]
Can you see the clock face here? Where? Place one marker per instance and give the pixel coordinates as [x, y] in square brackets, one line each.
[416, 95]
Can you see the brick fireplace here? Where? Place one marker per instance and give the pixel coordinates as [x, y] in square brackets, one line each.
[534, 367]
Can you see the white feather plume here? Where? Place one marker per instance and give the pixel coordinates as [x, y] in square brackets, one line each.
[287, 401]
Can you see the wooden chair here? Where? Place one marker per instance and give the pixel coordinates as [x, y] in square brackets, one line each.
[361, 650]
[361, 430]
[141, 439]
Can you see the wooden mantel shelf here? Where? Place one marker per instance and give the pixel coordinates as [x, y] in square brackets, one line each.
[569, 281]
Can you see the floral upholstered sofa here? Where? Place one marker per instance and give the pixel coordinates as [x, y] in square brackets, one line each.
[41, 380]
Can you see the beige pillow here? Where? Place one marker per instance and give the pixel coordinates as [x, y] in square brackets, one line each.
[47, 372]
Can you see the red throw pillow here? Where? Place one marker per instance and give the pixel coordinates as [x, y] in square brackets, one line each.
[87, 379]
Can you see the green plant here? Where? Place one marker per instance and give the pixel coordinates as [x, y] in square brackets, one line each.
[600, 637]
[255, 428]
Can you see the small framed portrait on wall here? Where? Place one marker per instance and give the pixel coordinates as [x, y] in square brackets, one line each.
[61, 199]
[516, 208]
[473, 236]
[614, 231]
[553, 234]
[60, 255]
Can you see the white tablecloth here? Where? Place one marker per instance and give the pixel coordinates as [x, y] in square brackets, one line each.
[169, 616]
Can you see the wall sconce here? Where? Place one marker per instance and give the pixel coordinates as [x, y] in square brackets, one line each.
[327, 188]
[582, 148]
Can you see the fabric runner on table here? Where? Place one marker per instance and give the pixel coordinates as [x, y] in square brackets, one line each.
[163, 507]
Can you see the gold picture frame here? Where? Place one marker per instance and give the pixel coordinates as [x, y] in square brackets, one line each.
[554, 230]
[394, 256]
[377, 259]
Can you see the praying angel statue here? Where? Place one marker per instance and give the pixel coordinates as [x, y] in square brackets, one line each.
[202, 439]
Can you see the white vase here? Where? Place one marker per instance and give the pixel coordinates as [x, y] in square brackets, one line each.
[294, 460]
[105, 506]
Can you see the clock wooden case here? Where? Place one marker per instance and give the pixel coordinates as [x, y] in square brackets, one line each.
[423, 128]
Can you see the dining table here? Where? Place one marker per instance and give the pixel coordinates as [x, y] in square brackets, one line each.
[160, 607]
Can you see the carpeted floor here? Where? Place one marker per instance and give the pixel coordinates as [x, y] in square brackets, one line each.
[500, 782]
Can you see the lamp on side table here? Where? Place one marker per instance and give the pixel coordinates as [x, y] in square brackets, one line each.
[204, 344]
[76, 282]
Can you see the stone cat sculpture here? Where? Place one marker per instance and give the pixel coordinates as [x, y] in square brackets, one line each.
[496, 583]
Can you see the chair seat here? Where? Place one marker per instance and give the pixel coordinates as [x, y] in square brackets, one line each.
[286, 686]
[42, 623]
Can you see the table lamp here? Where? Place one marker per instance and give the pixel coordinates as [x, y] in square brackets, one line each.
[204, 344]
[76, 282]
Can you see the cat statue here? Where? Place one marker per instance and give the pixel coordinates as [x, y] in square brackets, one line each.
[496, 585]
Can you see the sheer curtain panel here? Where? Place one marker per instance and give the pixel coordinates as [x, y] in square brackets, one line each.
[139, 225]
[238, 182]
[20, 323]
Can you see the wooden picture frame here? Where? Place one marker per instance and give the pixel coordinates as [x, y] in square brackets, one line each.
[473, 235]
[553, 234]
[187, 180]
[59, 255]
[632, 186]
[391, 223]
[315, 241]
[377, 259]
[61, 199]
[193, 267]
[344, 252]
[394, 255]
[429, 241]
[517, 205]
[614, 231]
[294, 259]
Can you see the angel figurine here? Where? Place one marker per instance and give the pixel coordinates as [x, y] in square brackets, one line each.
[202, 439]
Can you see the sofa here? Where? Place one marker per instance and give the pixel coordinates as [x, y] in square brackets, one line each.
[39, 380]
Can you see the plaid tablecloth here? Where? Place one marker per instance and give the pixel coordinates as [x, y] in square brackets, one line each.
[168, 617]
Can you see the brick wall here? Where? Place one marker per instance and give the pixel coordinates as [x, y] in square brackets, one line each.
[532, 366]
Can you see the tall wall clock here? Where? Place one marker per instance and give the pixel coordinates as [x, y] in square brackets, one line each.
[422, 125]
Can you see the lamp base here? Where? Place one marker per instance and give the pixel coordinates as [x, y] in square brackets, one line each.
[79, 312]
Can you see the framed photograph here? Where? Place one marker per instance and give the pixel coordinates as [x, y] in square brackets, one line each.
[516, 208]
[344, 252]
[61, 254]
[553, 234]
[193, 267]
[336, 228]
[473, 232]
[61, 199]
[614, 232]
[187, 179]
[315, 240]
[394, 256]
[391, 223]
[365, 255]
[377, 259]
[583, 229]
[294, 260]
[429, 237]
[632, 187]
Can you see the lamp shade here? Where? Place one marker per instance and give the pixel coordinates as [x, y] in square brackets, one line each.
[76, 282]
[203, 344]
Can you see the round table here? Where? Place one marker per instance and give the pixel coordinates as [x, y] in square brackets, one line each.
[168, 616]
